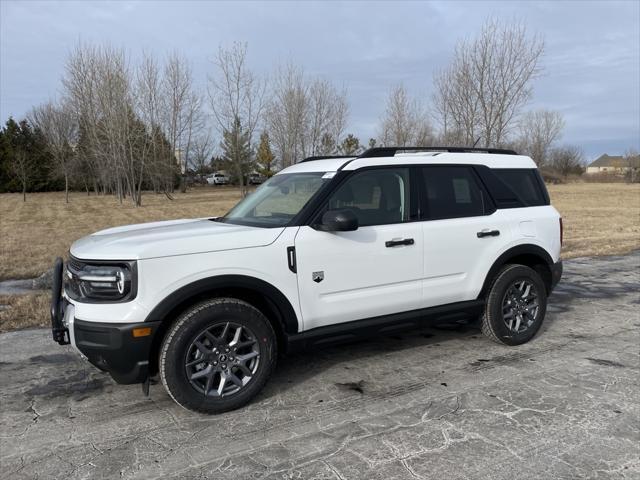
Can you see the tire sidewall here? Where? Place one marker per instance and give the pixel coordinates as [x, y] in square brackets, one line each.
[192, 323]
[507, 277]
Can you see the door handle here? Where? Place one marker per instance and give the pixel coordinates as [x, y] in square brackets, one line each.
[488, 233]
[397, 243]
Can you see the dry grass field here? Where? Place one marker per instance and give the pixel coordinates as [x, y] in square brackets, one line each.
[34, 232]
[599, 219]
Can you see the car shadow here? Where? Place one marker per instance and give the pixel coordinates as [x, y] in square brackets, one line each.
[318, 359]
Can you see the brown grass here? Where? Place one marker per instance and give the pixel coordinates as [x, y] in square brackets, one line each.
[599, 219]
[35, 232]
[24, 311]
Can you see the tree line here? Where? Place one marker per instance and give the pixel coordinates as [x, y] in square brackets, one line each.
[122, 128]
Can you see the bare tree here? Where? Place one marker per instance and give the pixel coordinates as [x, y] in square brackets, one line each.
[182, 111]
[304, 116]
[202, 151]
[98, 88]
[632, 164]
[59, 128]
[287, 112]
[22, 168]
[539, 130]
[488, 83]
[149, 106]
[237, 95]
[568, 159]
[404, 122]
[327, 111]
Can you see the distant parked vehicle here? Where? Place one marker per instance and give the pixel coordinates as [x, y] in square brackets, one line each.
[217, 179]
[255, 179]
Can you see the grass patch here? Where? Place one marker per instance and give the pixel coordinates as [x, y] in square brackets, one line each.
[35, 232]
[599, 218]
[24, 311]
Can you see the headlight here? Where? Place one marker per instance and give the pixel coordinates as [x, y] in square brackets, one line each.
[102, 281]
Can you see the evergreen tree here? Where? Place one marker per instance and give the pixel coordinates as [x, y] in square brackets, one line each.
[350, 145]
[327, 145]
[236, 151]
[24, 160]
[264, 156]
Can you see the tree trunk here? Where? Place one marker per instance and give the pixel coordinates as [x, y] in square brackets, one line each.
[66, 188]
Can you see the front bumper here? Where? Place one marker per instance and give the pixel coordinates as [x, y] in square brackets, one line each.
[112, 347]
[556, 274]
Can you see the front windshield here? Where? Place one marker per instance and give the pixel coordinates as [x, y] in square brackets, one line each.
[277, 200]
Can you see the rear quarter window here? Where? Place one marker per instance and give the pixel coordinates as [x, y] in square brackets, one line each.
[514, 187]
[525, 184]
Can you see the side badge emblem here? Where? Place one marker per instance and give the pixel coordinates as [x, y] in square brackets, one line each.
[317, 276]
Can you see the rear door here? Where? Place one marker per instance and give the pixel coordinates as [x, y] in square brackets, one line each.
[462, 232]
[373, 271]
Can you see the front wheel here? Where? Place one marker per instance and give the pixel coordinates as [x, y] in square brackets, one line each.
[516, 305]
[217, 356]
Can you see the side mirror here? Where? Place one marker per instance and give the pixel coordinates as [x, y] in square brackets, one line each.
[339, 221]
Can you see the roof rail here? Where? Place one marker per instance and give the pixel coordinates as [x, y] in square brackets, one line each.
[325, 157]
[391, 151]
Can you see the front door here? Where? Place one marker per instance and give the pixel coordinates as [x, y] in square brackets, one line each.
[372, 271]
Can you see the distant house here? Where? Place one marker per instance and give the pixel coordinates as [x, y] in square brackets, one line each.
[616, 164]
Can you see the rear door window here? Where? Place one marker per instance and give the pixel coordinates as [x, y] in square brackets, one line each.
[452, 192]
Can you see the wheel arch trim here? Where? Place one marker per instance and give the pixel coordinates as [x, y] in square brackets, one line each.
[514, 252]
[288, 317]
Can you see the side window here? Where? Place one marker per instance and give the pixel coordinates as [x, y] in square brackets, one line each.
[523, 182]
[377, 196]
[452, 192]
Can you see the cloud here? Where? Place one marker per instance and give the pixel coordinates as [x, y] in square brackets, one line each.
[592, 59]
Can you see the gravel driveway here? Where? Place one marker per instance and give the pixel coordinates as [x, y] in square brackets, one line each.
[435, 403]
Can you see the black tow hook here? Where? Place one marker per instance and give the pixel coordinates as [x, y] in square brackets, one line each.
[59, 331]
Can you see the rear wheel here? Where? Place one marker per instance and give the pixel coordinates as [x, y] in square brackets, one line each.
[217, 356]
[515, 307]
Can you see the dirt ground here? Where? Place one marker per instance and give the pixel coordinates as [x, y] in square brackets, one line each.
[439, 403]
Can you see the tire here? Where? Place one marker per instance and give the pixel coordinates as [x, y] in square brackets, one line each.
[198, 352]
[509, 317]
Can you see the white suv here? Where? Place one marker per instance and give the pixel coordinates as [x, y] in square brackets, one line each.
[217, 179]
[326, 250]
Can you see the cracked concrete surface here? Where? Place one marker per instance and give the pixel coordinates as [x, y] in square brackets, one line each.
[433, 403]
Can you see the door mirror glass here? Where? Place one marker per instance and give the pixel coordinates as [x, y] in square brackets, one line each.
[343, 220]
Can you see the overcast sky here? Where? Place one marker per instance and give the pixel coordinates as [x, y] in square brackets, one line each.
[591, 63]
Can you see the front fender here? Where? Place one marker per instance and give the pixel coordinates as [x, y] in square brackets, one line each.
[219, 282]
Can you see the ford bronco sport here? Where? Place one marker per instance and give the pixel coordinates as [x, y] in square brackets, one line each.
[326, 250]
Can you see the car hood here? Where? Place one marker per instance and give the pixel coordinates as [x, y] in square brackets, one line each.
[174, 237]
